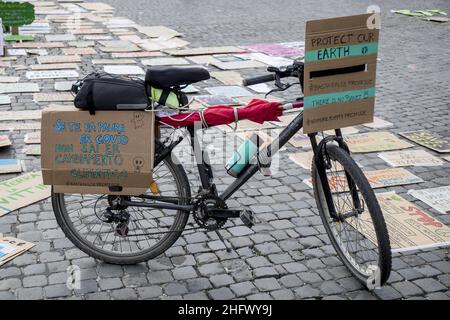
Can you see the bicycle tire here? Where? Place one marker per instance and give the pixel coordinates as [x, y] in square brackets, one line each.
[338, 154]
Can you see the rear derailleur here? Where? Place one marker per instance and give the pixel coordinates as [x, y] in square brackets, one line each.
[118, 215]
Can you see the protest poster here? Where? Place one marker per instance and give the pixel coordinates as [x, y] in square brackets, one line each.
[210, 100]
[375, 141]
[22, 191]
[303, 159]
[10, 166]
[4, 141]
[340, 70]
[409, 227]
[111, 152]
[228, 91]
[32, 137]
[378, 123]
[276, 49]
[437, 198]
[429, 140]
[228, 78]
[300, 140]
[203, 51]
[12, 247]
[33, 150]
[377, 179]
[417, 158]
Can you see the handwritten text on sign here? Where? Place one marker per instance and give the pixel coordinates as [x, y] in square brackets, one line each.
[100, 146]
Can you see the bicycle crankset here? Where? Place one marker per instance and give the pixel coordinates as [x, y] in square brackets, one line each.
[205, 202]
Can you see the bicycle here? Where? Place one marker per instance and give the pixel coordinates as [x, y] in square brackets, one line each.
[133, 229]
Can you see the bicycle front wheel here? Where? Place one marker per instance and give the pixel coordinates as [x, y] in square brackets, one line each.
[358, 232]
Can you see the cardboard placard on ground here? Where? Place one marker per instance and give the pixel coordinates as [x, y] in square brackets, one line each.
[9, 79]
[277, 49]
[375, 141]
[19, 87]
[59, 59]
[340, 70]
[10, 166]
[79, 51]
[409, 227]
[4, 99]
[228, 78]
[428, 139]
[47, 45]
[88, 154]
[33, 150]
[211, 100]
[437, 198]
[7, 126]
[406, 158]
[140, 54]
[22, 191]
[303, 159]
[228, 91]
[378, 123]
[300, 140]
[32, 137]
[20, 115]
[54, 66]
[113, 61]
[203, 51]
[11, 247]
[63, 85]
[52, 97]
[51, 74]
[377, 179]
[165, 61]
[237, 65]
[123, 69]
[4, 141]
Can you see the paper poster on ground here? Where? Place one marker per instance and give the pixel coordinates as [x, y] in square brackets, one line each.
[406, 158]
[377, 179]
[375, 141]
[409, 227]
[429, 140]
[22, 191]
[378, 123]
[10, 166]
[437, 198]
[12, 247]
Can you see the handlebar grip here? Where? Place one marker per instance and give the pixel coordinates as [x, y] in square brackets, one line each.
[260, 79]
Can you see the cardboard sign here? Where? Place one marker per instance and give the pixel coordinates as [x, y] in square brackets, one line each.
[105, 153]
[375, 141]
[4, 141]
[340, 69]
[16, 14]
[22, 191]
[11, 247]
[229, 78]
[203, 51]
[409, 227]
[378, 123]
[428, 139]
[10, 166]
[416, 158]
[437, 198]
[228, 91]
[277, 49]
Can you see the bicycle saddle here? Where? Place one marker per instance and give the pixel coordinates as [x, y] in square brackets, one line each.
[165, 77]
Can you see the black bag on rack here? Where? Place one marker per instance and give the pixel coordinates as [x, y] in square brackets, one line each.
[102, 91]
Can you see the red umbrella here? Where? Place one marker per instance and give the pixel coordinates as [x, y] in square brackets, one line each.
[257, 111]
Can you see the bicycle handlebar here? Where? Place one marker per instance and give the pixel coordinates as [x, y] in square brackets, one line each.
[259, 79]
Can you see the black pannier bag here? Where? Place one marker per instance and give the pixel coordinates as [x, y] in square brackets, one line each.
[102, 91]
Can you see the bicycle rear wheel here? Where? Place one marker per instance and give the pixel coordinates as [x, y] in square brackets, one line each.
[358, 233]
[147, 232]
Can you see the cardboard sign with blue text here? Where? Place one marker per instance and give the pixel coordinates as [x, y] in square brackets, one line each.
[110, 152]
[340, 69]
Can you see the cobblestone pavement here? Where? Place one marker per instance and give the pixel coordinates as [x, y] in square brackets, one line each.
[287, 255]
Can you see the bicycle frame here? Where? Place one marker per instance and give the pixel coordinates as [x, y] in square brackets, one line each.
[206, 173]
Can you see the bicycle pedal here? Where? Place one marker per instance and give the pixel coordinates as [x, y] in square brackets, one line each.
[248, 218]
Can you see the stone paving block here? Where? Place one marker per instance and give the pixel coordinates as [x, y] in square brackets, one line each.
[198, 284]
[184, 273]
[267, 284]
[124, 294]
[407, 289]
[429, 285]
[149, 292]
[221, 294]
[30, 293]
[56, 291]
